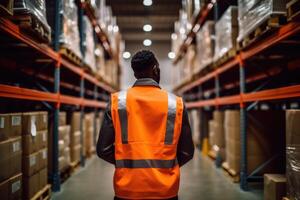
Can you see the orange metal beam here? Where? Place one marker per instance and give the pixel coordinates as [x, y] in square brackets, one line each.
[265, 95]
[281, 34]
[35, 95]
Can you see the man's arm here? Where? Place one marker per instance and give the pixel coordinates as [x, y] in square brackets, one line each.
[106, 140]
[185, 149]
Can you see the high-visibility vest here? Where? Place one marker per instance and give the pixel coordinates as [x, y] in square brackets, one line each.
[147, 123]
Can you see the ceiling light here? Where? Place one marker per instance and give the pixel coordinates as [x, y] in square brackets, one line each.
[116, 29]
[147, 42]
[174, 36]
[126, 55]
[147, 28]
[171, 55]
[147, 2]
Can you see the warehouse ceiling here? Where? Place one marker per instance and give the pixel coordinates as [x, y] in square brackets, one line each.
[132, 15]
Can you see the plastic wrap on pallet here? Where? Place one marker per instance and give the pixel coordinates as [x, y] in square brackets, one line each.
[70, 33]
[252, 13]
[205, 45]
[293, 153]
[89, 44]
[36, 9]
[226, 30]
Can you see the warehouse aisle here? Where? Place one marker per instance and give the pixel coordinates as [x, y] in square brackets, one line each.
[199, 180]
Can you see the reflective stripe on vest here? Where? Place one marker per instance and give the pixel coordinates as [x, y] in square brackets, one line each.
[127, 163]
[172, 106]
[123, 116]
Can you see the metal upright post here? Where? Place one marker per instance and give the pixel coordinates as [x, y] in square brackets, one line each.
[243, 128]
[82, 158]
[55, 175]
[81, 30]
[96, 114]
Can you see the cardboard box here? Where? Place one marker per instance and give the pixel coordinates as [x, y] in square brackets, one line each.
[62, 118]
[75, 121]
[274, 186]
[30, 124]
[75, 153]
[43, 178]
[11, 188]
[62, 163]
[15, 125]
[43, 158]
[75, 138]
[64, 133]
[30, 143]
[4, 127]
[10, 159]
[43, 139]
[43, 120]
[30, 164]
[31, 186]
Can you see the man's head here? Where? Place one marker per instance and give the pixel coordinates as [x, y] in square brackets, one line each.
[145, 65]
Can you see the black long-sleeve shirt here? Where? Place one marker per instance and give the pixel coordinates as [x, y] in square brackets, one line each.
[106, 140]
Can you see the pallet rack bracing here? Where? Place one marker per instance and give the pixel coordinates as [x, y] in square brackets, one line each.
[281, 42]
[84, 90]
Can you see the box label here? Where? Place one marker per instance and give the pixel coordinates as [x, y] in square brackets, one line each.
[2, 122]
[32, 161]
[44, 154]
[16, 146]
[16, 120]
[15, 186]
[33, 126]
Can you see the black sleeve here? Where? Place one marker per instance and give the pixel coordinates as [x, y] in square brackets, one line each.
[106, 140]
[185, 148]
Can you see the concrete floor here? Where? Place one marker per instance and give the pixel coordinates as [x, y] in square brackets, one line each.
[199, 180]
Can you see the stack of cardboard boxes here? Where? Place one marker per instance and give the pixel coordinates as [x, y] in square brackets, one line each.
[35, 159]
[217, 135]
[89, 133]
[264, 140]
[75, 144]
[11, 156]
[63, 147]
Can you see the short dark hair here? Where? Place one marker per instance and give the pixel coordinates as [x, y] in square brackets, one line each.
[143, 60]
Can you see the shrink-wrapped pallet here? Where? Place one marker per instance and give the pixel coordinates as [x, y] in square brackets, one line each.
[69, 37]
[37, 11]
[293, 154]
[226, 30]
[252, 13]
[205, 45]
[89, 45]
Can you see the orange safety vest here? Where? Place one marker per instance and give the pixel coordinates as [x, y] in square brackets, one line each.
[147, 122]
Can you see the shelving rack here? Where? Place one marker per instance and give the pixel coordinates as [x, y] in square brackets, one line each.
[283, 44]
[69, 84]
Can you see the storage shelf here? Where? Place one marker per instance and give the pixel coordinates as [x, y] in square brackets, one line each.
[279, 35]
[15, 32]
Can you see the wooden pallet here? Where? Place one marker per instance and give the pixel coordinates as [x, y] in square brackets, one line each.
[226, 57]
[285, 198]
[74, 166]
[70, 55]
[267, 27]
[233, 175]
[293, 10]
[43, 194]
[30, 24]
